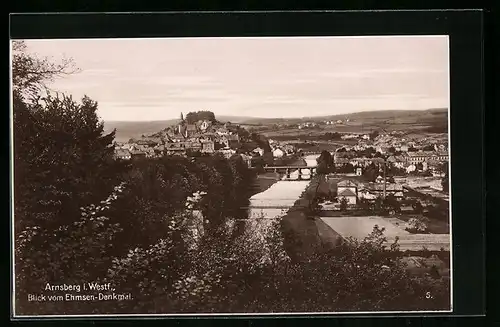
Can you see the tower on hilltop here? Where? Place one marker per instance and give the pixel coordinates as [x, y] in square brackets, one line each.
[181, 124]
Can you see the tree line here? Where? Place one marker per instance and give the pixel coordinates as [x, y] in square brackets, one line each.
[195, 116]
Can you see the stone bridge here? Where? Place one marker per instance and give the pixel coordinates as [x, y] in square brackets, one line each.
[287, 170]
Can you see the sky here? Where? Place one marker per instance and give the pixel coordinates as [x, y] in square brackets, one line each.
[157, 79]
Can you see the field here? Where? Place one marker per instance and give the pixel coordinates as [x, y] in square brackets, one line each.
[434, 226]
[360, 227]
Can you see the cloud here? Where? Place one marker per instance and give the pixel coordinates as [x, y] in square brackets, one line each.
[271, 76]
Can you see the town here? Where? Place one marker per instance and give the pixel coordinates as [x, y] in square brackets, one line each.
[411, 174]
[194, 186]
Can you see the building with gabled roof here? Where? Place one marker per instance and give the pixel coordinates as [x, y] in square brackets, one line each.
[349, 190]
[378, 189]
[349, 195]
[347, 183]
[122, 154]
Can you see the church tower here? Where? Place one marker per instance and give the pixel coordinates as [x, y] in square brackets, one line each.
[179, 127]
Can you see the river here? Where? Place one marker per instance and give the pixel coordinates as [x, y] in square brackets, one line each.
[281, 196]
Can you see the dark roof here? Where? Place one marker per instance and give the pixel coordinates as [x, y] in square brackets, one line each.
[346, 192]
[122, 152]
[347, 183]
[148, 142]
[380, 187]
[421, 154]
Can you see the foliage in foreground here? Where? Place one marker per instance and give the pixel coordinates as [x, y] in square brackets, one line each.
[192, 270]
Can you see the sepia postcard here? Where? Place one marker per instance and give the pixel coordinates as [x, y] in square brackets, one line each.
[231, 176]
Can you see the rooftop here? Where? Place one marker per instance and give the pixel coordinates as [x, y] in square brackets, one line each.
[346, 192]
[346, 183]
[122, 152]
[380, 187]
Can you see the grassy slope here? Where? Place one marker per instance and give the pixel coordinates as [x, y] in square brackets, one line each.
[303, 234]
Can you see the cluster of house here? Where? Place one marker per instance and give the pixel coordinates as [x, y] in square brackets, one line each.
[354, 191]
[307, 125]
[348, 136]
[203, 136]
[396, 140]
[325, 122]
[410, 156]
[335, 122]
[280, 149]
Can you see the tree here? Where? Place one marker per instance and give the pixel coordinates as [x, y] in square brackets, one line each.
[368, 152]
[343, 204]
[325, 165]
[412, 149]
[417, 207]
[325, 162]
[261, 141]
[428, 148]
[443, 168]
[243, 134]
[378, 205]
[371, 172]
[445, 183]
[61, 151]
[31, 74]
[347, 168]
[364, 204]
[392, 203]
[193, 117]
[373, 135]
[417, 225]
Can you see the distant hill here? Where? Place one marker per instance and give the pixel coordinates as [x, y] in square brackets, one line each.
[236, 119]
[126, 130]
[420, 116]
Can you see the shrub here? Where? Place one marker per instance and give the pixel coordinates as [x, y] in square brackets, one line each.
[416, 225]
[343, 204]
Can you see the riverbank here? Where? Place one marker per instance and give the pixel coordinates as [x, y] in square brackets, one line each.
[262, 182]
